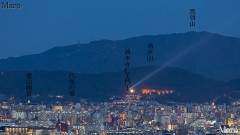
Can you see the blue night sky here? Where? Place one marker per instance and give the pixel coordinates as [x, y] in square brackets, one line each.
[42, 24]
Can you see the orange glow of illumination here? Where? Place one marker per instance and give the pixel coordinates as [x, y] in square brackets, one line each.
[159, 92]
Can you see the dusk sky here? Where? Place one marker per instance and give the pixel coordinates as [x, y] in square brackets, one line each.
[42, 24]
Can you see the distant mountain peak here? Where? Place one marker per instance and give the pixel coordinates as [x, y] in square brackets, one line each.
[217, 57]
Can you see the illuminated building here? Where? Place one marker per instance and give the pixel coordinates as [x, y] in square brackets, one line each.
[127, 132]
[123, 116]
[32, 130]
[230, 122]
[17, 130]
[5, 107]
[153, 91]
[55, 108]
[18, 114]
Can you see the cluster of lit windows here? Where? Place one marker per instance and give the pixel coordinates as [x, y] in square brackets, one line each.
[16, 130]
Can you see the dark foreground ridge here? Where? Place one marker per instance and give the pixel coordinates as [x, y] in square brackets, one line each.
[187, 86]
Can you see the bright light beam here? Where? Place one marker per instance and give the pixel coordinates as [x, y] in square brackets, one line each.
[180, 55]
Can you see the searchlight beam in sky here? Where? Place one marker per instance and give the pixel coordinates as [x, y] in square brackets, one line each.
[202, 41]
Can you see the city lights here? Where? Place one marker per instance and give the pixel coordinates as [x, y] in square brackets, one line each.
[132, 90]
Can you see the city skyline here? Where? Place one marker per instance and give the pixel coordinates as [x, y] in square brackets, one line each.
[129, 67]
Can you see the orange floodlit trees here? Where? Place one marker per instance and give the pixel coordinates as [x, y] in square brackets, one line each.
[159, 92]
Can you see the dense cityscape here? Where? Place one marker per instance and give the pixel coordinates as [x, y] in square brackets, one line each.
[129, 67]
[128, 115]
